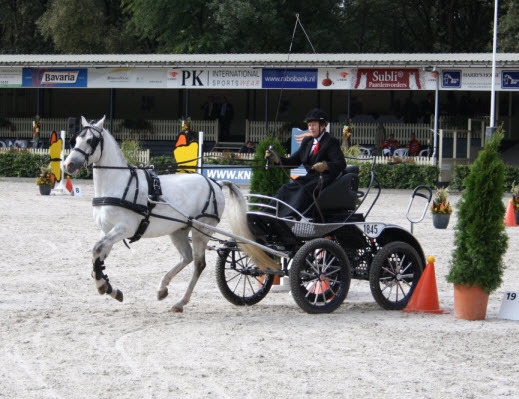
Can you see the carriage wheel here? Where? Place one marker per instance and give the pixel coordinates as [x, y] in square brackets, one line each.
[320, 276]
[238, 278]
[394, 273]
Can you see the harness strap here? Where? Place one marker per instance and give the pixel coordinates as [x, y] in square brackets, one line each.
[208, 201]
[154, 191]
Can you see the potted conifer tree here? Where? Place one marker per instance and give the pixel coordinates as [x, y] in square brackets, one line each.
[480, 237]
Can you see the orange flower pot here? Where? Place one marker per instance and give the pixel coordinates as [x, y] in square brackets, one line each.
[470, 303]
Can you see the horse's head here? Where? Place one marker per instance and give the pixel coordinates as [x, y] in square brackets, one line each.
[87, 146]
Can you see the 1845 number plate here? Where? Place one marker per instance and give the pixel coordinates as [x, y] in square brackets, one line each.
[373, 230]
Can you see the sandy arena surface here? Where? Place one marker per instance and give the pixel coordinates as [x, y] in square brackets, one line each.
[61, 339]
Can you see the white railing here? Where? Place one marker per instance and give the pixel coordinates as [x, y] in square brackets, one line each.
[143, 157]
[363, 133]
[256, 131]
[160, 129]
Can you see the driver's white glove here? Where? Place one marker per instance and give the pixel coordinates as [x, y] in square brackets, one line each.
[272, 156]
[320, 167]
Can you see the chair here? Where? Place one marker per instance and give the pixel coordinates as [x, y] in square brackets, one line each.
[2, 144]
[424, 153]
[401, 152]
[365, 151]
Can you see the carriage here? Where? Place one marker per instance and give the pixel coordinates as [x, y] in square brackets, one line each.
[323, 248]
[319, 255]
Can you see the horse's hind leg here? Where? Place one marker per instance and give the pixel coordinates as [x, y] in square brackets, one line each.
[181, 242]
[199, 246]
[99, 254]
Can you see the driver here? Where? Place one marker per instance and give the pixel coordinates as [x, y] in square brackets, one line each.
[322, 157]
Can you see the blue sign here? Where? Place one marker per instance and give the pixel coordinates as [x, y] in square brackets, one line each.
[236, 175]
[289, 79]
[510, 79]
[54, 77]
[297, 137]
[451, 79]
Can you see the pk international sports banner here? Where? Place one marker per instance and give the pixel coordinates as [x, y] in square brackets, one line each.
[214, 78]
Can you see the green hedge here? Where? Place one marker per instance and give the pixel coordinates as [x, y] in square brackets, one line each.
[399, 176]
[462, 171]
[17, 163]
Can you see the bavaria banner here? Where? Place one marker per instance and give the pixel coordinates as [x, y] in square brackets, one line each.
[54, 77]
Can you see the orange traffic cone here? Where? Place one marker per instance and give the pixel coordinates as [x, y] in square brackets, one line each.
[68, 184]
[510, 215]
[425, 295]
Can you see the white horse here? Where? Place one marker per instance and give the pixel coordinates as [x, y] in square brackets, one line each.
[131, 202]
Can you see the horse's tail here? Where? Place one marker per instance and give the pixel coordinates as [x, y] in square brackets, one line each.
[240, 227]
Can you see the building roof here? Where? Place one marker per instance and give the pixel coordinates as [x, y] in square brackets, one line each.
[443, 60]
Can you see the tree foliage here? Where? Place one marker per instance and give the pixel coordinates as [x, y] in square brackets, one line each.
[18, 31]
[267, 26]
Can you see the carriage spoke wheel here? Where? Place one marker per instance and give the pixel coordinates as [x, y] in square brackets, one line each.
[320, 276]
[394, 273]
[240, 281]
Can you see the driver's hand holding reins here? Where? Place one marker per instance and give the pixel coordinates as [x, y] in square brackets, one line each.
[271, 155]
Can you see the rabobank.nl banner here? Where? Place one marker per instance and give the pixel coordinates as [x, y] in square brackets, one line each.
[290, 78]
[54, 77]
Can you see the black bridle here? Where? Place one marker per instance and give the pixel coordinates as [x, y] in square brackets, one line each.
[97, 138]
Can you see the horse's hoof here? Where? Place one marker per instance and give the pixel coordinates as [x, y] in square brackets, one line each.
[119, 296]
[177, 309]
[163, 293]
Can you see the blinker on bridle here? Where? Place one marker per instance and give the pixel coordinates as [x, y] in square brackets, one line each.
[93, 142]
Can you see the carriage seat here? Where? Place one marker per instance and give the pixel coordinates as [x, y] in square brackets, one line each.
[342, 194]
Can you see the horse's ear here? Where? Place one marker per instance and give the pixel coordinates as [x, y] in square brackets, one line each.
[99, 123]
[84, 121]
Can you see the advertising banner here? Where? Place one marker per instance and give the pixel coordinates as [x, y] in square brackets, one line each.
[214, 78]
[289, 78]
[479, 79]
[130, 78]
[376, 79]
[54, 77]
[11, 77]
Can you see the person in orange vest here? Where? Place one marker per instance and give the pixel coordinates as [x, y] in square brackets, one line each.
[413, 145]
[390, 145]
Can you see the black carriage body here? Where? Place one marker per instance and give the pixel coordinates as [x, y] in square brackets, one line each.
[290, 235]
[324, 248]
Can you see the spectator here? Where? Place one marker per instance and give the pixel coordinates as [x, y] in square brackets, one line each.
[390, 145]
[226, 116]
[413, 145]
[248, 148]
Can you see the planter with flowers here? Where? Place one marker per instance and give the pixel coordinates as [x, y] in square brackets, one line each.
[515, 200]
[45, 180]
[441, 208]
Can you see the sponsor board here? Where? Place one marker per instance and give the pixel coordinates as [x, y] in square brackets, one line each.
[54, 77]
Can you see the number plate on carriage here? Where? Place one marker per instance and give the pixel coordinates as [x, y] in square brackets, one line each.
[373, 230]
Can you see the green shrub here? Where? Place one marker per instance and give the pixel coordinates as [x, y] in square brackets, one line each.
[480, 238]
[21, 163]
[267, 181]
[462, 171]
[405, 175]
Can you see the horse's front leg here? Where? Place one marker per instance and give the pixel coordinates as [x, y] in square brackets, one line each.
[100, 252]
